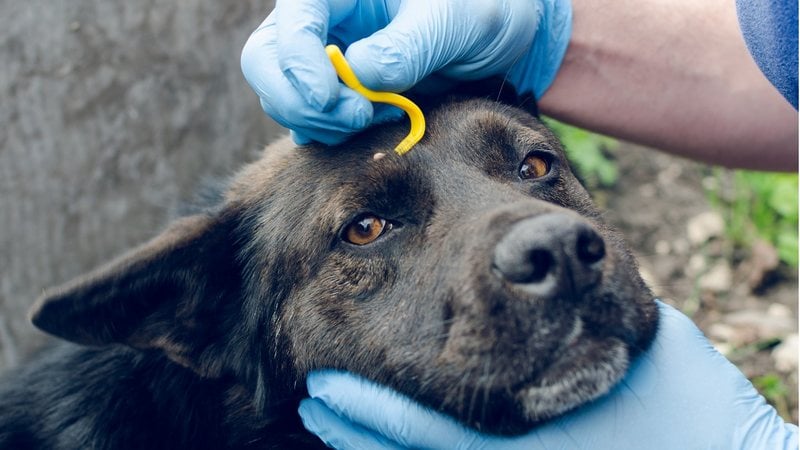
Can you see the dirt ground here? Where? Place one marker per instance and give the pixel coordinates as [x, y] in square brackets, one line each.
[660, 205]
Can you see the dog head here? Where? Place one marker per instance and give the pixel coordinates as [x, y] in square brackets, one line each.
[473, 274]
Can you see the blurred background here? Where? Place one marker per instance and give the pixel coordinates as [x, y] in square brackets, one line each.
[114, 113]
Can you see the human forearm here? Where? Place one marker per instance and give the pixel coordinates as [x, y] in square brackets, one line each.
[676, 76]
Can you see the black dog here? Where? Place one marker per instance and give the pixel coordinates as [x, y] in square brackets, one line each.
[473, 274]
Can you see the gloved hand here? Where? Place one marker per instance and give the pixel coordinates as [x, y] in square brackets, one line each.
[392, 45]
[681, 394]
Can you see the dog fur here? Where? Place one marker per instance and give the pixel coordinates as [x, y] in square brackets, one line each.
[202, 337]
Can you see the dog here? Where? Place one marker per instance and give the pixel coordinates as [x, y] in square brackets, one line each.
[473, 274]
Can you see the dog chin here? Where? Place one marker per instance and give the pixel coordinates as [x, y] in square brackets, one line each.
[575, 379]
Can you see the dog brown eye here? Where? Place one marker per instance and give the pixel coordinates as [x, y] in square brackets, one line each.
[533, 166]
[365, 229]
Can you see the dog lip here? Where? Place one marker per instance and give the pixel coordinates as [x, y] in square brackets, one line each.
[566, 383]
[569, 341]
[572, 338]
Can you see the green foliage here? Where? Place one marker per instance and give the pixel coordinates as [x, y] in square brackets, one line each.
[587, 153]
[759, 205]
[770, 385]
[775, 391]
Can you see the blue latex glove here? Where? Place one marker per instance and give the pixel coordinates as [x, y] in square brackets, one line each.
[681, 394]
[392, 45]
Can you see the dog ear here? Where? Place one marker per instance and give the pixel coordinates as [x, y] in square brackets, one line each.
[168, 294]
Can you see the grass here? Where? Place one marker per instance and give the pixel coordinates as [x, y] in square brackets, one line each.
[773, 389]
[588, 154]
[755, 205]
[758, 205]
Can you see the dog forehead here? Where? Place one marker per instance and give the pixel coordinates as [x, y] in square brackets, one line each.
[465, 128]
[460, 131]
[321, 186]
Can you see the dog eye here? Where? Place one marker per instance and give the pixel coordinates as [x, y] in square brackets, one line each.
[365, 229]
[533, 166]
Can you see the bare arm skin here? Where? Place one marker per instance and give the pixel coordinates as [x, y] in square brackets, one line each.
[675, 75]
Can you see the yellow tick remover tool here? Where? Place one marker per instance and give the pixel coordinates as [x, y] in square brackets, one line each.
[414, 113]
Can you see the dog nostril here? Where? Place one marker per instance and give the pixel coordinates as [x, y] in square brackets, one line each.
[526, 267]
[590, 247]
[540, 263]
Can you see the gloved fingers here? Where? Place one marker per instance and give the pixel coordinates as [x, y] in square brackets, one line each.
[536, 68]
[351, 114]
[257, 53]
[384, 113]
[470, 40]
[505, 30]
[299, 138]
[406, 50]
[389, 413]
[281, 101]
[302, 30]
[338, 432]
[352, 20]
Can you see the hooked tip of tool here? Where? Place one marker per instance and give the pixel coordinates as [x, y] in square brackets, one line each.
[415, 115]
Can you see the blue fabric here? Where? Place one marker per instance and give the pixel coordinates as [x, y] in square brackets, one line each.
[770, 31]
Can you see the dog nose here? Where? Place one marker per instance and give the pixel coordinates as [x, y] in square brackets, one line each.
[551, 253]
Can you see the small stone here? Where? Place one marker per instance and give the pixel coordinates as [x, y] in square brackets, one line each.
[680, 246]
[718, 278]
[703, 227]
[760, 324]
[762, 264]
[662, 248]
[378, 156]
[670, 174]
[695, 266]
[786, 354]
[74, 26]
[721, 332]
[647, 190]
[779, 310]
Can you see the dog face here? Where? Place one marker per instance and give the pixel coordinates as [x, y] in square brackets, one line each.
[473, 274]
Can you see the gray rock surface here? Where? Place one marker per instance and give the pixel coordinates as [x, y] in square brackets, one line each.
[112, 114]
[786, 354]
[755, 324]
[704, 226]
[718, 278]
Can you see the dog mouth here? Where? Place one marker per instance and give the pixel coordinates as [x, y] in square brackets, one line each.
[582, 366]
[586, 369]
